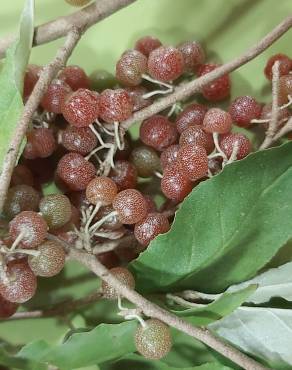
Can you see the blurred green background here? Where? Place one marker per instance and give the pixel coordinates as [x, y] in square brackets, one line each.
[225, 27]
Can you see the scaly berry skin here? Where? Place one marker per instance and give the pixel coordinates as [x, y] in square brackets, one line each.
[124, 276]
[130, 67]
[192, 115]
[31, 225]
[244, 109]
[147, 44]
[50, 261]
[175, 185]
[169, 155]
[75, 77]
[131, 206]
[21, 282]
[56, 210]
[55, 96]
[21, 198]
[197, 136]
[194, 161]
[40, 143]
[136, 94]
[158, 132]
[101, 190]
[217, 120]
[75, 171]
[154, 341]
[7, 309]
[115, 105]
[78, 139]
[166, 63]
[151, 226]
[193, 55]
[217, 90]
[146, 161]
[81, 108]
[228, 141]
[22, 175]
[151, 206]
[285, 65]
[124, 175]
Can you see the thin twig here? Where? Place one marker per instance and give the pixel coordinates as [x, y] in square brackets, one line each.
[152, 310]
[273, 122]
[60, 309]
[60, 27]
[47, 75]
[282, 132]
[187, 89]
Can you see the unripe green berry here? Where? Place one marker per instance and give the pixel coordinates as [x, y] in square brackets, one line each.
[154, 341]
[56, 210]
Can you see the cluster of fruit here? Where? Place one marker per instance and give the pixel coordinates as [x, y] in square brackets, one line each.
[75, 140]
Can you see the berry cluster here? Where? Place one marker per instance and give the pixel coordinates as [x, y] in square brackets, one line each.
[110, 182]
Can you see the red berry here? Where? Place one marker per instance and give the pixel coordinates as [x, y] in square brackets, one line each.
[31, 78]
[151, 206]
[193, 55]
[31, 225]
[217, 90]
[169, 155]
[130, 67]
[75, 171]
[158, 132]
[267, 111]
[151, 226]
[285, 64]
[41, 143]
[147, 44]
[101, 190]
[78, 139]
[194, 161]
[75, 77]
[115, 105]
[192, 115]
[55, 96]
[22, 175]
[7, 308]
[197, 136]
[175, 185]
[228, 141]
[124, 175]
[108, 259]
[244, 109]
[136, 94]
[81, 108]
[166, 63]
[217, 120]
[21, 283]
[130, 205]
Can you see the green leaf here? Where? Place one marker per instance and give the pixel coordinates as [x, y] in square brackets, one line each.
[226, 230]
[19, 363]
[224, 305]
[12, 76]
[138, 362]
[263, 332]
[276, 282]
[104, 343]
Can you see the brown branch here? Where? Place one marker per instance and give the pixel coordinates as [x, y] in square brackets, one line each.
[59, 27]
[152, 310]
[47, 75]
[60, 309]
[187, 89]
[273, 123]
